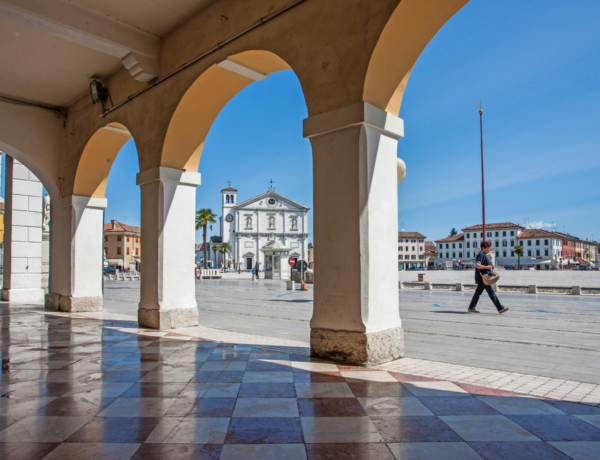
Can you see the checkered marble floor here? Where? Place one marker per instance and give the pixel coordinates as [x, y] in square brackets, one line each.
[77, 386]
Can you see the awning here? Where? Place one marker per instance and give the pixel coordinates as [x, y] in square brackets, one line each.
[542, 262]
[581, 261]
[114, 262]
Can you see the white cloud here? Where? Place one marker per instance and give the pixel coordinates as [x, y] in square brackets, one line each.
[541, 224]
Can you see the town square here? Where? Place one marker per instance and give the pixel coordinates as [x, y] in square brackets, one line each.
[299, 229]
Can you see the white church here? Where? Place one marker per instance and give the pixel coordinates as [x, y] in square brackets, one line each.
[268, 229]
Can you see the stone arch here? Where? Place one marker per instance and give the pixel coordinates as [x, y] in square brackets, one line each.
[97, 159]
[406, 34]
[204, 100]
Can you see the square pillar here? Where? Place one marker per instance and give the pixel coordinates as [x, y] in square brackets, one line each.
[77, 247]
[168, 291]
[356, 316]
[22, 280]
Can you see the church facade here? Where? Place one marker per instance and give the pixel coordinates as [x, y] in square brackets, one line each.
[268, 229]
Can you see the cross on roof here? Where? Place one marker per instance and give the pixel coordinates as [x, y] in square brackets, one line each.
[271, 187]
[229, 183]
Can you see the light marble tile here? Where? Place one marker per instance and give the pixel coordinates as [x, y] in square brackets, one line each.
[190, 430]
[433, 450]
[487, 428]
[323, 390]
[266, 407]
[388, 406]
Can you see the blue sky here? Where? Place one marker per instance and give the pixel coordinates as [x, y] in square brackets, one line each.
[534, 65]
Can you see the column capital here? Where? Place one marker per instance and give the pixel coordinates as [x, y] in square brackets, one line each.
[84, 201]
[166, 174]
[352, 115]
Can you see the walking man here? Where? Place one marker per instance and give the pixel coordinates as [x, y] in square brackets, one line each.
[256, 269]
[484, 267]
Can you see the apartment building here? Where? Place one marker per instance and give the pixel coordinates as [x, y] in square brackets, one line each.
[122, 246]
[411, 250]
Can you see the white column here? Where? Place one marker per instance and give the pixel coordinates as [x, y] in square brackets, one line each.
[168, 299]
[356, 318]
[76, 258]
[22, 278]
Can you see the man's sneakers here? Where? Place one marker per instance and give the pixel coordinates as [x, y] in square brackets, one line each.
[472, 310]
[503, 310]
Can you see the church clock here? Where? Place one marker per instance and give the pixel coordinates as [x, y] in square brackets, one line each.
[229, 218]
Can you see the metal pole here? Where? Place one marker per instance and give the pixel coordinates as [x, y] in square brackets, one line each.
[482, 181]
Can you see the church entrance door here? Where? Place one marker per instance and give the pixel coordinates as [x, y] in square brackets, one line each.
[276, 267]
[248, 263]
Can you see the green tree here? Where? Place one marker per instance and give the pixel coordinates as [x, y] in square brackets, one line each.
[310, 245]
[453, 232]
[204, 217]
[224, 248]
[519, 251]
[215, 248]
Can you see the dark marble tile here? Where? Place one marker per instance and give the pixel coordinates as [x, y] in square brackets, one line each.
[257, 366]
[75, 406]
[264, 430]
[219, 376]
[484, 391]
[115, 430]
[202, 407]
[154, 390]
[267, 390]
[123, 376]
[41, 388]
[178, 452]
[322, 377]
[573, 407]
[448, 405]
[414, 429]
[228, 356]
[557, 427]
[378, 389]
[26, 450]
[371, 451]
[411, 378]
[517, 451]
[330, 407]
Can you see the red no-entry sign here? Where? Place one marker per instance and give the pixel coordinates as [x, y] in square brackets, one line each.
[292, 261]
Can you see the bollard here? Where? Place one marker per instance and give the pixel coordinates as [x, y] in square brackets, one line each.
[290, 285]
[576, 290]
[427, 286]
[459, 286]
[421, 277]
[533, 289]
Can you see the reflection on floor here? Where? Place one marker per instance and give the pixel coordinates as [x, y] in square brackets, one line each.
[76, 387]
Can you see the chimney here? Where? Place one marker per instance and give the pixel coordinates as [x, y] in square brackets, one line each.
[113, 224]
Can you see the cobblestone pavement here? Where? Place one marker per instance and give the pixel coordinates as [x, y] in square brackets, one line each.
[96, 386]
[563, 278]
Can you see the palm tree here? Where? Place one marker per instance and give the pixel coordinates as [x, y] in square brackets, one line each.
[519, 251]
[224, 249]
[204, 217]
[215, 248]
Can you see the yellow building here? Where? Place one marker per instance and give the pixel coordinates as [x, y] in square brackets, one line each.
[122, 245]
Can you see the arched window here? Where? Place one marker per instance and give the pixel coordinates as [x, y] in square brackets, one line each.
[232, 198]
[226, 198]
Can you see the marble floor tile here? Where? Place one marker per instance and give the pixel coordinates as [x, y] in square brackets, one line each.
[26, 450]
[389, 407]
[510, 405]
[377, 389]
[264, 430]
[366, 451]
[517, 451]
[154, 390]
[80, 405]
[266, 407]
[178, 452]
[42, 429]
[489, 428]
[414, 429]
[76, 451]
[448, 405]
[184, 430]
[574, 408]
[557, 427]
[433, 450]
[330, 407]
[314, 367]
[592, 419]
[263, 452]
[268, 377]
[170, 375]
[224, 366]
[267, 390]
[318, 430]
[219, 376]
[579, 450]
[201, 407]
[368, 376]
[435, 389]
[115, 430]
[210, 390]
[301, 376]
[100, 389]
[323, 390]
[137, 407]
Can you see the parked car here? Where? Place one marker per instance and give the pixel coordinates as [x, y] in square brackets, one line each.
[109, 270]
[583, 267]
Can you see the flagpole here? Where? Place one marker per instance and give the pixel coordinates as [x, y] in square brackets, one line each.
[482, 180]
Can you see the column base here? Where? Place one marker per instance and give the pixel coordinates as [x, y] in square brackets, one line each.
[357, 348]
[176, 318]
[57, 302]
[22, 295]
